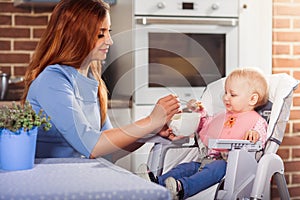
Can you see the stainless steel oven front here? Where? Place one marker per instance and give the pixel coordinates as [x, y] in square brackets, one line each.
[181, 46]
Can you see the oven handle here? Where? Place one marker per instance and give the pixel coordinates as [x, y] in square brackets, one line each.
[192, 20]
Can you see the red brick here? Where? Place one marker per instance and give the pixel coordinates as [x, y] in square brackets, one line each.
[285, 36]
[297, 49]
[297, 91]
[280, 1]
[15, 32]
[25, 45]
[296, 23]
[296, 127]
[14, 58]
[295, 114]
[296, 179]
[281, 23]
[6, 7]
[291, 141]
[296, 101]
[31, 20]
[286, 62]
[297, 75]
[20, 71]
[4, 45]
[5, 68]
[283, 153]
[281, 71]
[47, 9]
[281, 49]
[5, 20]
[286, 10]
[291, 166]
[37, 32]
[296, 153]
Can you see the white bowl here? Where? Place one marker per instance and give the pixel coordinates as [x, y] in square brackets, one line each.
[184, 124]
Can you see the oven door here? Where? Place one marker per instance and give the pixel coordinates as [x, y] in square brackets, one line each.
[182, 55]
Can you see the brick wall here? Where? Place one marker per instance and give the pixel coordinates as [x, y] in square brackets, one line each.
[286, 58]
[20, 29]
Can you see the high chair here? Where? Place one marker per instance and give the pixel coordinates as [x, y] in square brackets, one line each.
[249, 167]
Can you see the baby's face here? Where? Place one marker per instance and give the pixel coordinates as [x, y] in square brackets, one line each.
[237, 96]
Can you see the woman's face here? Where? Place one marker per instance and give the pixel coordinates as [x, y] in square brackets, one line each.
[103, 39]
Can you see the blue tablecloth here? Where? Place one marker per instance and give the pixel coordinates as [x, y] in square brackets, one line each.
[77, 179]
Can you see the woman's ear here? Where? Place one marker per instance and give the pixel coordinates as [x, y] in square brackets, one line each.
[253, 99]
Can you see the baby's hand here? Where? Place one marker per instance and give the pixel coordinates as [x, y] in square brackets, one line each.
[194, 105]
[252, 136]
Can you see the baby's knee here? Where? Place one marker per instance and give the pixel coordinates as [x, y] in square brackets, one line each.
[218, 168]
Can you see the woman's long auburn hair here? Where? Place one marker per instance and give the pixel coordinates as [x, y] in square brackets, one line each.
[68, 39]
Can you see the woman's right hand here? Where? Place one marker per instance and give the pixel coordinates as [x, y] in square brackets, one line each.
[164, 110]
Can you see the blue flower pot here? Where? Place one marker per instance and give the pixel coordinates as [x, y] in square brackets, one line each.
[17, 149]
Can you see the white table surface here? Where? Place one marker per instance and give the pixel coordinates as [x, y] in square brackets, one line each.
[70, 178]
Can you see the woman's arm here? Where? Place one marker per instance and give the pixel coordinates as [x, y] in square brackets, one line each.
[118, 138]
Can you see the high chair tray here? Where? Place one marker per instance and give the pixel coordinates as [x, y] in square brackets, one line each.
[233, 144]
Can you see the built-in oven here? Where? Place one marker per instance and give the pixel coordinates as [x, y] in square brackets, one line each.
[181, 46]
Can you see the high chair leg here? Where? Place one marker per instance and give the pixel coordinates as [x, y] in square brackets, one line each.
[269, 165]
[282, 187]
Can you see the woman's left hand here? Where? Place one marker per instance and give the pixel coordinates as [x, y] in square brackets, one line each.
[167, 132]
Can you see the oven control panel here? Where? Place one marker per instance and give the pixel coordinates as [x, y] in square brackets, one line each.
[195, 8]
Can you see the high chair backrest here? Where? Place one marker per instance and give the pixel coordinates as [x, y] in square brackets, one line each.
[276, 111]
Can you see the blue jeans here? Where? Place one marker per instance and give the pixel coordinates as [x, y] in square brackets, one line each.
[192, 180]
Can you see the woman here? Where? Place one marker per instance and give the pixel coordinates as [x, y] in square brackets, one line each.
[64, 79]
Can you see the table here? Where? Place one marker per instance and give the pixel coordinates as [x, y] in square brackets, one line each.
[76, 178]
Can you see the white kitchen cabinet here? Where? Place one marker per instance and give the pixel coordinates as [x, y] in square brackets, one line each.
[255, 34]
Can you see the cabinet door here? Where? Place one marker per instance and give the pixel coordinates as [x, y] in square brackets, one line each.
[255, 34]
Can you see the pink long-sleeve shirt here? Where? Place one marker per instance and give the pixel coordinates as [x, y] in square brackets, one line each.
[228, 125]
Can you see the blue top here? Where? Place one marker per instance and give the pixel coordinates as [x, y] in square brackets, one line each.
[71, 100]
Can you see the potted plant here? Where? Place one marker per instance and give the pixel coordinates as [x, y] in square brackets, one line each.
[18, 133]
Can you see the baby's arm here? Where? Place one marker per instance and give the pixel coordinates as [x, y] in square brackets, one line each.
[259, 132]
[196, 106]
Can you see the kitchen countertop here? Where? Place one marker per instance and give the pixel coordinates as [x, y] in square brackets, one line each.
[112, 103]
[119, 103]
[7, 103]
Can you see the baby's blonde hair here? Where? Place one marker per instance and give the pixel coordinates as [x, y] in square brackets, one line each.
[256, 81]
